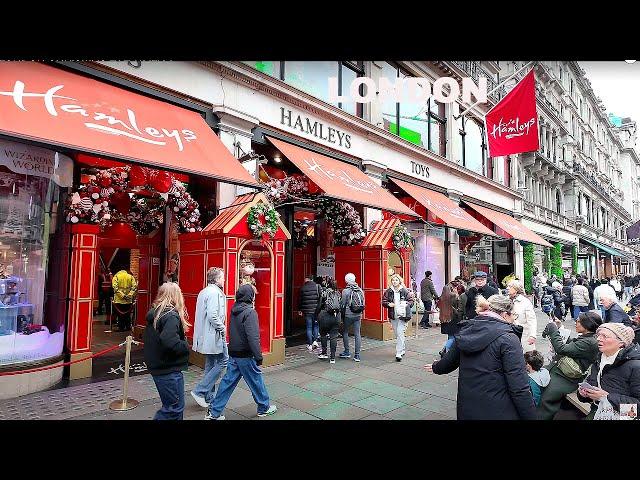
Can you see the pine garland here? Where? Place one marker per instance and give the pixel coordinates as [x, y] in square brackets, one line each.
[556, 261]
[574, 259]
[528, 267]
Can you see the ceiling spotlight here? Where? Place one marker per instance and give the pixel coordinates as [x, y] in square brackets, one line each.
[630, 61]
[277, 159]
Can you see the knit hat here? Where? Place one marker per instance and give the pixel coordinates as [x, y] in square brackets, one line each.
[622, 332]
[590, 320]
[350, 278]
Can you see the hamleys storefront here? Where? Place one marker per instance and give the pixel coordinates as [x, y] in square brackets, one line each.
[95, 178]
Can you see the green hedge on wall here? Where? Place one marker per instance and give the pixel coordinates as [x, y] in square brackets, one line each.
[556, 261]
[528, 267]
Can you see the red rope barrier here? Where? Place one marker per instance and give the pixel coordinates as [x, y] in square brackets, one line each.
[50, 367]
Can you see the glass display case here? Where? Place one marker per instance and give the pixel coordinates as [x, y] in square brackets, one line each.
[29, 206]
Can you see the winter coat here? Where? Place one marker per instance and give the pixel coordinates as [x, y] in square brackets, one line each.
[165, 347]
[580, 296]
[558, 301]
[590, 290]
[472, 293]
[345, 301]
[538, 381]
[427, 290]
[621, 380]
[615, 314]
[527, 320]
[308, 297]
[492, 382]
[566, 293]
[124, 287]
[388, 297]
[244, 330]
[209, 326]
[583, 349]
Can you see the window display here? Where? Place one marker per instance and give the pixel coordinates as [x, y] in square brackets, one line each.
[29, 206]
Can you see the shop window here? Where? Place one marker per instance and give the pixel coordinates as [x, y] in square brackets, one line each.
[311, 77]
[268, 67]
[30, 218]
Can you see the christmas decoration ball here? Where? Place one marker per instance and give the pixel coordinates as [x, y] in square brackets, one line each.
[74, 219]
[104, 181]
[138, 176]
[160, 181]
[95, 196]
[192, 230]
[248, 269]
[86, 203]
[176, 209]
[106, 216]
[182, 204]
[105, 204]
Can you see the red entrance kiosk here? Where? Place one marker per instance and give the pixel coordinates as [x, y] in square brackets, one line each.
[371, 262]
[227, 242]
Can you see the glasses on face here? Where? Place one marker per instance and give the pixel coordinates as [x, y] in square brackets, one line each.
[604, 336]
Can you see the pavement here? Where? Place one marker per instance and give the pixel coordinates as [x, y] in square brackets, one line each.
[303, 388]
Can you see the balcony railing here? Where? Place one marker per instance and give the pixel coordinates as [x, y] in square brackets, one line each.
[548, 216]
[474, 70]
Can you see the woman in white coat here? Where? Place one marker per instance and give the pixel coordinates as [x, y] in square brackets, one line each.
[524, 315]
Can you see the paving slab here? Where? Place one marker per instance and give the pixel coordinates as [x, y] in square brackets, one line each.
[378, 404]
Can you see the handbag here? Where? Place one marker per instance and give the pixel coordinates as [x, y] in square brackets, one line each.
[570, 368]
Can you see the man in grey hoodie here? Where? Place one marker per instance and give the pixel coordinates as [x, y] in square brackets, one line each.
[350, 317]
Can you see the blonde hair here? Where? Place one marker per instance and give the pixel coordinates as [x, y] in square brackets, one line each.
[400, 279]
[170, 297]
[482, 304]
[517, 286]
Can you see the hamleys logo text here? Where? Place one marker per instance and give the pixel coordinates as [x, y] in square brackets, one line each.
[115, 126]
[512, 128]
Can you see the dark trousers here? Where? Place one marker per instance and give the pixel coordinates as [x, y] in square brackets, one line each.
[328, 324]
[554, 393]
[103, 300]
[123, 314]
[425, 316]
[171, 389]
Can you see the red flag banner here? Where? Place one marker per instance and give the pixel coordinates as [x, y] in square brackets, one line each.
[512, 125]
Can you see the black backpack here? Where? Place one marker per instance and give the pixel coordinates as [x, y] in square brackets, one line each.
[547, 303]
[356, 301]
[332, 301]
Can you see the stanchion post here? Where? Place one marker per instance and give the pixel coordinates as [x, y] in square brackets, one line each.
[126, 403]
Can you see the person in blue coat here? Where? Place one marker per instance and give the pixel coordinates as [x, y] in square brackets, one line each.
[492, 381]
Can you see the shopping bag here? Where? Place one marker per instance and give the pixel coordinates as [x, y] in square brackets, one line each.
[606, 411]
[435, 317]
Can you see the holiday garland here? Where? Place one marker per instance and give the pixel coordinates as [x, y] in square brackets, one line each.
[556, 261]
[263, 221]
[106, 199]
[528, 267]
[401, 238]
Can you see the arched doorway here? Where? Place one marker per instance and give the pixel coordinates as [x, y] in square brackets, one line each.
[255, 266]
[395, 264]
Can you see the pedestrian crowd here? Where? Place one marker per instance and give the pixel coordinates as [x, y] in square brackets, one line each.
[491, 340]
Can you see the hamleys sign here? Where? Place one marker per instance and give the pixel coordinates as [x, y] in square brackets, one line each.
[55, 106]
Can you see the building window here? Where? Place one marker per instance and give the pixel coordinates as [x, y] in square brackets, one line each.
[507, 171]
[579, 203]
[270, 68]
[471, 138]
[558, 202]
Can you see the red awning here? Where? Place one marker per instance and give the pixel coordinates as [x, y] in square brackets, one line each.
[50, 105]
[443, 208]
[341, 180]
[510, 225]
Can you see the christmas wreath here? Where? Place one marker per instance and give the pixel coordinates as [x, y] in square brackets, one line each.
[263, 221]
[401, 238]
[344, 220]
[107, 198]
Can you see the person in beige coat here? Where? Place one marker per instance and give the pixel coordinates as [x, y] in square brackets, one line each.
[524, 315]
[580, 298]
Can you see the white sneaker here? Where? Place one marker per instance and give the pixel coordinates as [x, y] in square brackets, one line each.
[323, 356]
[315, 345]
[272, 409]
[199, 400]
[333, 360]
[310, 347]
[209, 417]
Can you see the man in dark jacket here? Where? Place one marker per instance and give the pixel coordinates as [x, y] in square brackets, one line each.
[427, 294]
[245, 357]
[308, 301]
[350, 317]
[613, 312]
[492, 381]
[480, 288]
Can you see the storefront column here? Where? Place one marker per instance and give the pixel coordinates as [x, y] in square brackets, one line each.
[234, 131]
[84, 255]
[453, 244]
[518, 259]
[377, 172]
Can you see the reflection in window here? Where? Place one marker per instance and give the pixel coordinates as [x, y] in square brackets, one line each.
[473, 151]
[270, 68]
[311, 77]
[389, 107]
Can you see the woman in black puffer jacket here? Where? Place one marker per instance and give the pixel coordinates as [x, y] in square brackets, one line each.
[166, 351]
[615, 375]
[492, 382]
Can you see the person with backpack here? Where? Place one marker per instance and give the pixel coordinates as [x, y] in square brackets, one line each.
[166, 351]
[309, 297]
[328, 312]
[351, 307]
[427, 294]
[398, 299]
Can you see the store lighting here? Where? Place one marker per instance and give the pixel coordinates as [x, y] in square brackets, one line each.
[277, 159]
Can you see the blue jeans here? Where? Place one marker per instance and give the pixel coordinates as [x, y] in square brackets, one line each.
[577, 310]
[427, 308]
[171, 389]
[313, 330]
[213, 367]
[355, 321]
[238, 368]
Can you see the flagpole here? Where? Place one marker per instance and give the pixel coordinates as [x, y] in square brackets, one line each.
[464, 112]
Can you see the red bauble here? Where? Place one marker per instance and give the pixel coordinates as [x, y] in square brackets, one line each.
[104, 181]
[138, 176]
[160, 181]
[313, 188]
[274, 172]
[121, 202]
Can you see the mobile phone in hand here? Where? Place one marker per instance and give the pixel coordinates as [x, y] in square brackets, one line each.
[586, 386]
